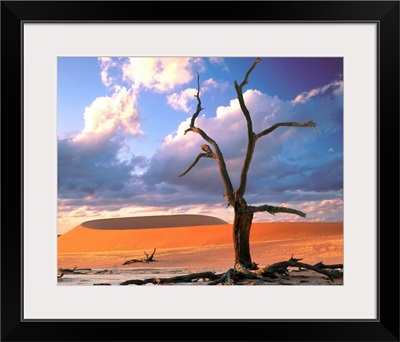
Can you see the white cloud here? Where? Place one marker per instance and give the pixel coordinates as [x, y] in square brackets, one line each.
[328, 210]
[229, 130]
[106, 63]
[180, 101]
[96, 160]
[326, 205]
[211, 84]
[281, 162]
[339, 89]
[160, 74]
[109, 115]
[229, 120]
[216, 60]
[219, 61]
[336, 87]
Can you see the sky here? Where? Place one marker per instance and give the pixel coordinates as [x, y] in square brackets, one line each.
[121, 141]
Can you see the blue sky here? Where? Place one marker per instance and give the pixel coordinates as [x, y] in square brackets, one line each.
[121, 144]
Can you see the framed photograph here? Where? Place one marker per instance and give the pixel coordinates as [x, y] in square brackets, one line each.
[120, 124]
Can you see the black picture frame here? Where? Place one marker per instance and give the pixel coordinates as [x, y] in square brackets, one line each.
[15, 328]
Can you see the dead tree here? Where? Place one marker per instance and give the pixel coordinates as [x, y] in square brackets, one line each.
[243, 212]
[147, 259]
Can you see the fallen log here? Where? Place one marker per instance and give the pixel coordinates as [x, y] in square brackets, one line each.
[104, 272]
[188, 278]
[275, 269]
[147, 259]
[74, 270]
[334, 266]
[277, 273]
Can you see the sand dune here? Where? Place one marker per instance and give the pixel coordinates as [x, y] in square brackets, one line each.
[161, 221]
[196, 246]
[81, 239]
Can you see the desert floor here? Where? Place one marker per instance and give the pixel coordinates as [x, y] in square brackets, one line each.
[107, 244]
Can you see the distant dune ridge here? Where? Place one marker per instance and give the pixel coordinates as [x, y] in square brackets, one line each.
[161, 221]
[195, 241]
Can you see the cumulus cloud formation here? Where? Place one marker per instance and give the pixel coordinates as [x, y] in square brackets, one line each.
[186, 101]
[97, 167]
[160, 74]
[290, 166]
[91, 167]
[110, 115]
[211, 85]
[181, 101]
[276, 172]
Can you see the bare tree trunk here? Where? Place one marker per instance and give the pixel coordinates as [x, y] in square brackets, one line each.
[243, 212]
[241, 240]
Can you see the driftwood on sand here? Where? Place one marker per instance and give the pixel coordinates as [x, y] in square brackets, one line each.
[277, 273]
[75, 270]
[147, 259]
[193, 277]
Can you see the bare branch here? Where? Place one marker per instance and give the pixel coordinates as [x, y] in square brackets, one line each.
[286, 124]
[271, 209]
[239, 92]
[294, 263]
[245, 81]
[250, 134]
[201, 155]
[252, 137]
[199, 108]
[230, 195]
[152, 254]
[144, 260]
[217, 155]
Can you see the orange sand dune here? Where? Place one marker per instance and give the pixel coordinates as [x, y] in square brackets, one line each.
[199, 245]
[160, 221]
[81, 239]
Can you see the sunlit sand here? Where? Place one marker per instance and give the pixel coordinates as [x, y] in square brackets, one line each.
[107, 244]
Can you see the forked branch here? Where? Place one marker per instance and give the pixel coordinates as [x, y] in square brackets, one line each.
[252, 137]
[286, 124]
[209, 154]
[232, 196]
[147, 259]
[217, 155]
[245, 81]
[198, 108]
[250, 134]
[239, 92]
